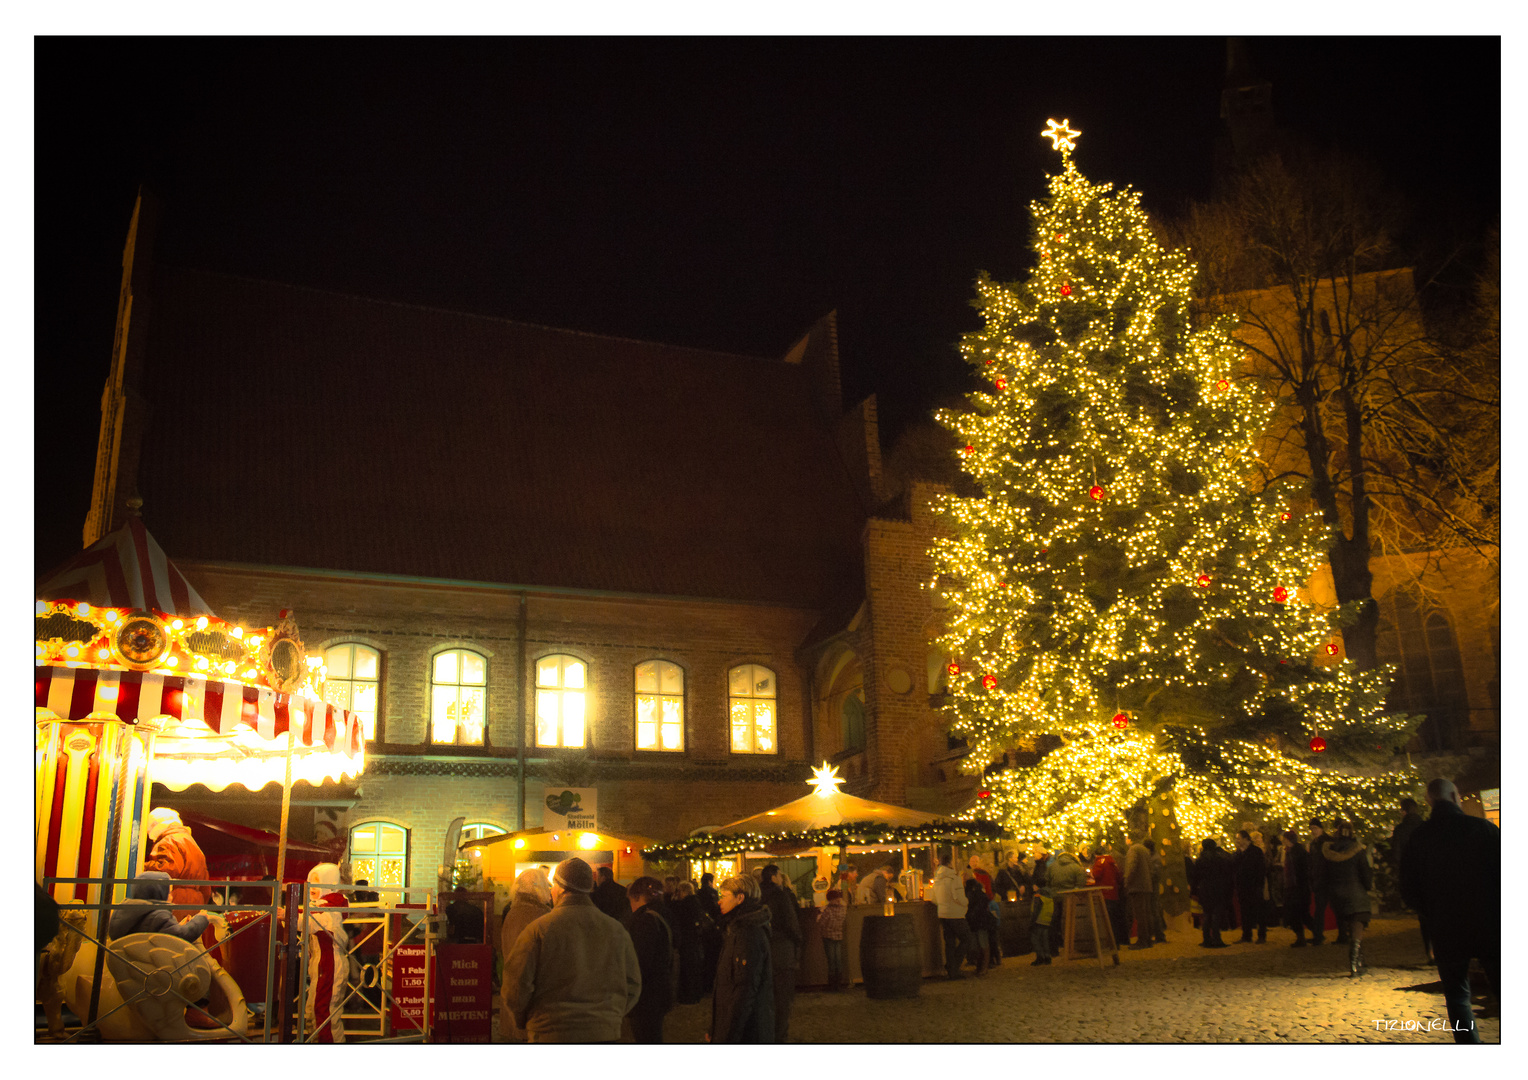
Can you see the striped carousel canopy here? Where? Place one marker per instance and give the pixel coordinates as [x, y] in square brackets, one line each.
[127, 569]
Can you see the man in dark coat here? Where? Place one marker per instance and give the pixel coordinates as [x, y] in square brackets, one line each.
[784, 945]
[1451, 875]
[609, 895]
[743, 1003]
[651, 927]
[1296, 888]
[1250, 867]
[1214, 881]
[1401, 834]
[1318, 887]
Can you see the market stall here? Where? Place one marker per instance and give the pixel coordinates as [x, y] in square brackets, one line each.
[138, 682]
[829, 826]
[501, 859]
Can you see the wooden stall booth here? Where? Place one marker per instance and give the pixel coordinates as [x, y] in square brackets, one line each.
[814, 836]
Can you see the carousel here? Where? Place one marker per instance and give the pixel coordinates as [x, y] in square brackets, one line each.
[138, 683]
[813, 839]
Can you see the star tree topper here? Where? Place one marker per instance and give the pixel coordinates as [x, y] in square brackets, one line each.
[1062, 136]
[825, 780]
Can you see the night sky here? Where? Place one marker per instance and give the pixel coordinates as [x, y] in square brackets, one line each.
[718, 193]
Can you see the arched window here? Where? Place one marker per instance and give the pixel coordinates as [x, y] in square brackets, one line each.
[352, 682]
[660, 705]
[458, 697]
[477, 830]
[751, 709]
[379, 856]
[560, 701]
[1429, 676]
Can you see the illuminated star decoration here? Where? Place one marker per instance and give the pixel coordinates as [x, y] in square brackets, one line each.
[825, 780]
[1062, 136]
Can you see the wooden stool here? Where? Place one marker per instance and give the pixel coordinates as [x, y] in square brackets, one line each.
[1099, 931]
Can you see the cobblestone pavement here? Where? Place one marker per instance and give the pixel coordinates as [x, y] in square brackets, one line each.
[1173, 993]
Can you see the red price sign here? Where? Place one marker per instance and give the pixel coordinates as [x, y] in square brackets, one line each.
[408, 989]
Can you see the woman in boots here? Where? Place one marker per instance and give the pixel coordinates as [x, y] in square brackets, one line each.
[1349, 879]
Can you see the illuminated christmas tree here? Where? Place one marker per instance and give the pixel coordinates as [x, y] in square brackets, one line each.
[1121, 584]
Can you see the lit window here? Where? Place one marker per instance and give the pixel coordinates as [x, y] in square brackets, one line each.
[379, 856]
[478, 830]
[352, 681]
[458, 696]
[559, 701]
[660, 706]
[751, 709]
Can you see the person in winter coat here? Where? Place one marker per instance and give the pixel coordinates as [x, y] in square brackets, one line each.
[784, 944]
[1349, 877]
[1319, 892]
[950, 899]
[878, 885]
[692, 926]
[1404, 829]
[1065, 872]
[1214, 881]
[1106, 873]
[830, 927]
[609, 895]
[1451, 875]
[573, 975]
[650, 925]
[532, 899]
[1039, 877]
[328, 954]
[1250, 869]
[1296, 888]
[1138, 891]
[743, 1003]
[1012, 878]
[173, 850]
[145, 911]
[981, 924]
[974, 865]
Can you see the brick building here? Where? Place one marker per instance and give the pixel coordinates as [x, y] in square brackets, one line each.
[532, 558]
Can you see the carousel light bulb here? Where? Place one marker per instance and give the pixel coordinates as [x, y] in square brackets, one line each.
[104, 654]
[172, 661]
[202, 664]
[177, 625]
[42, 607]
[111, 616]
[83, 608]
[237, 631]
[250, 674]
[201, 623]
[71, 651]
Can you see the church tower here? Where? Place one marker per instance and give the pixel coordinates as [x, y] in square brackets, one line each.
[1246, 108]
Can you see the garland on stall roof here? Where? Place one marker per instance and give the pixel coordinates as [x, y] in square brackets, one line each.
[853, 832]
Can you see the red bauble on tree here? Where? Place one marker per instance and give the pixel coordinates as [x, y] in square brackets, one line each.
[1280, 594]
[1096, 493]
[1318, 744]
[967, 450]
[1066, 289]
[984, 794]
[1121, 720]
[989, 681]
[1203, 581]
[953, 668]
[1331, 648]
[1223, 385]
[1000, 383]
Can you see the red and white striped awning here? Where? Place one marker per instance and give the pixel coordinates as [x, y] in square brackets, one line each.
[125, 569]
[223, 705]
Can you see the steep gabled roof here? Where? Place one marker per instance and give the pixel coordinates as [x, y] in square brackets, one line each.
[293, 427]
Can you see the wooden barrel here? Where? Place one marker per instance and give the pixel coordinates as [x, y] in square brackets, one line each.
[1014, 935]
[890, 958]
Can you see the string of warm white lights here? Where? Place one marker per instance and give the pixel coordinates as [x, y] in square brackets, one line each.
[1118, 581]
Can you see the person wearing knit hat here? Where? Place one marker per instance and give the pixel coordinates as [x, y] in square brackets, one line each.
[573, 974]
[574, 875]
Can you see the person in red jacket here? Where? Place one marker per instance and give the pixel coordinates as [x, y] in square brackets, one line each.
[1106, 874]
[173, 851]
